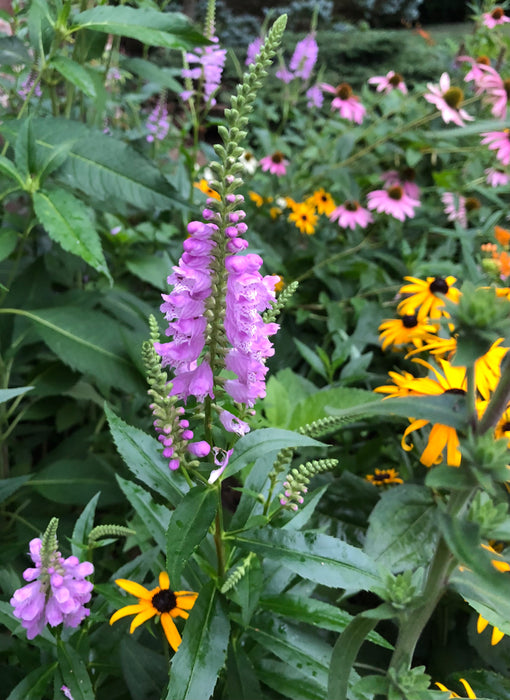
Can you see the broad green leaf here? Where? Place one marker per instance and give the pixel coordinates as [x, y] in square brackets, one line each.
[402, 532]
[153, 73]
[75, 73]
[247, 591]
[314, 407]
[314, 556]
[24, 149]
[256, 483]
[155, 517]
[33, 686]
[315, 612]
[107, 171]
[189, 525]
[171, 30]
[8, 242]
[13, 51]
[151, 268]
[286, 681]
[305, 512]
[87, 341]
[11, 485]
[344, 655]
[8, 168]
[260, 442]
[83, 526]
[312, 358]
[142, 454]
[445, 409]
[242, 682]
[304, 651]
[76, 481]
[144, 671]
[74, 672]
[197, 664]
[67, 221]
[8, 394]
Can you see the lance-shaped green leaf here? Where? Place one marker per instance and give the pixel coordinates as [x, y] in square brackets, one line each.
[10, 486]
[8, 168]
[67, 221]
[242, 682]
[83, 526]
[142, 454]
[171, 30]
[315, 612]
[74, 672]
[253, 445]
[152, 73]
[35, 684]
[286, 681]
[344, 655]
[86, 340]
[402, 531]
[189, 525]
[13, 51]
[445, 409]
[154, 516]
[75, 73]
[8, 394]
[314, 556]
[196, 666]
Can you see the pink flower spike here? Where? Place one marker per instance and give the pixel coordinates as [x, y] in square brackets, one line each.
[253, 50]
[276, 164]
[351, 214]
[447, 100]
[393, 201]
[498, 141]
[497, 16]
[455, 208]
[387, 83]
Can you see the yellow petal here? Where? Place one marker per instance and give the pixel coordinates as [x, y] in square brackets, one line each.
[435, 445]
[134, 588]
[127, 610]
[469, 689]
[179, 613]
[185, 599]
[497, 636]
[141, 618]
[164, 581]
[171, 632]
[481, 624]
[415, 425]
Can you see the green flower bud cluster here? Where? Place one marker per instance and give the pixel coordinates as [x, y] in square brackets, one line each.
[490, 517]
[408, 684]
[109, 531]
[486, 458]
[297, 480]
[284, 297]
[401, 590]
[238, 573]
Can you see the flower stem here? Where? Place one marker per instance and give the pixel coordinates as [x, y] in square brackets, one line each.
[498, 402]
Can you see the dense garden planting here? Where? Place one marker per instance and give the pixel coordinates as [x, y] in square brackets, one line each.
[254, 333]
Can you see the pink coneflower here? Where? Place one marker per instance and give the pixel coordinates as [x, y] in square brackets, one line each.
[498, 141]
[346, 102]
[393, 201]
[496, 91]
[476, 72]
[497, 16]
[496, 177]
[455, 208]
[447, 100]
[387, 83]
[351, 214]
[276, 163]
[404, 180]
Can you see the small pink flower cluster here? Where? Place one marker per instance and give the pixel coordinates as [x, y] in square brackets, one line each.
[57, 593]
[209, 61]
[157, 123]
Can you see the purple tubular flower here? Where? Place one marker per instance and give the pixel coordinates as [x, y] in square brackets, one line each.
[253, 50]
[57, 592]
[248, 294]
[233, 424]
[315, 97]
[157, 123]
[221, 458]
[304, 57]
[210, 60]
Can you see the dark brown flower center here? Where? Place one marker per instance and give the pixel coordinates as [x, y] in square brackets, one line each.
[395, 192]
[505, 428]
[459, 392]
[439, 286]
[164, 601]
[472, 203]
[383, 476]
[277, 157]
[409, 321]
[248, 155]
[453, 97]
[343, 91]
[484, 60]
[304, 217]
[497, 13]
[351, 205]
[408, 174]
[506, 85]
[395, 79]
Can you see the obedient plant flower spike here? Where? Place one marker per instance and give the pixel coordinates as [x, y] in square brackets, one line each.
[297, 480]
[283, 299]
[209, 27]
[49, 541]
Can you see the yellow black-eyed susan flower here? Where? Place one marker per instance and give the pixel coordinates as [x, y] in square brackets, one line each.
[469, 690]
[424, 296]
[322, 201]
[384, 477]
[406, 330]
[203, 186]
[304, 217]
[160, 601]
[496, 636]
